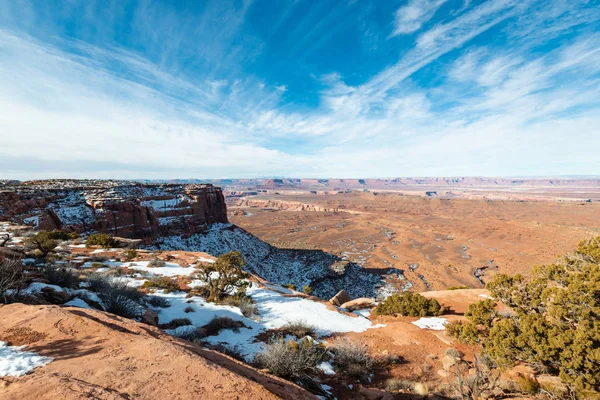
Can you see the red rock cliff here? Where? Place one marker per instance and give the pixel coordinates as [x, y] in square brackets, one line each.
[124, 209]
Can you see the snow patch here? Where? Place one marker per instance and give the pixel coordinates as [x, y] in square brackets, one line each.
[434, 323]
[35, 221]
[77, 302]
[326, 368]
[16, 362]
[170, 269]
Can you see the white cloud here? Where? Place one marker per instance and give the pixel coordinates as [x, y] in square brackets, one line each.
[107, 112]
[412, 16]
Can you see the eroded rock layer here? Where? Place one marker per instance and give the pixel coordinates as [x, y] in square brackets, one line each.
[126, 209]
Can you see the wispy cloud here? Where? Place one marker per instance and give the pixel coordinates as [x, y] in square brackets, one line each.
[185, 99]
[412, 16]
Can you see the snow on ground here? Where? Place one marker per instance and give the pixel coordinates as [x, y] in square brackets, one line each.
[196, 283]
[326, 367]
[34, 221]
[86, 294]
[16, 362]
[434, 323]
[276, 265]
[366, 312]
[110, 263]
[170, 269]
[103, 250]
[275, 310]
[36, 287]
[279, 288]
[77, 302]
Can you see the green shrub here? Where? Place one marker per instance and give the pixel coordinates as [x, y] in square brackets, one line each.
[129, 255]
[307, 289]
[555, 320]
[290, 286]
[458, 287]
[101, 239]
[44, 242]
[527, 384]
[224, 277]
[409, 304]
[164, 283]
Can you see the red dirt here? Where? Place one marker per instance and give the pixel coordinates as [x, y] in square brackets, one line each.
[99, 355]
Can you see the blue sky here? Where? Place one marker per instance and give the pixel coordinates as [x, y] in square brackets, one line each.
[299, 88]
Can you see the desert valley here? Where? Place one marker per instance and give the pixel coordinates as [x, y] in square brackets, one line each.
[320, 256]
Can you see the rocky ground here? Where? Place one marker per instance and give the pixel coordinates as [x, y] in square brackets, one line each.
[93, 352]
[99, 355]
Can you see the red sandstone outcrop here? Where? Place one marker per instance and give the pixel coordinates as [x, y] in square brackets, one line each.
[100, 355]
[129, 209]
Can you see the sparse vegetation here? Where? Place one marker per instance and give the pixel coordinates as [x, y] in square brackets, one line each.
[231, 351]
[292, 360]
[398, 385]
[224, 277]
[44, 242]
[243, 302]
[307, 289]
[352, 358]
[409, 304]
[4, 238]
[218, 323]
[12, 280]
[299, 329]
[117, 297]
[527, 384]
[158, 301]
[101, 239]
[129, 255]
[156, 263]
[61, 276]
[555, 324]
[164, 283]
[213, 328]
[290, 286]
[176, 323]
[458, 287]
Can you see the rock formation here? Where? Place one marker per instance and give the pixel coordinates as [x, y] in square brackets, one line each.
[126, 209]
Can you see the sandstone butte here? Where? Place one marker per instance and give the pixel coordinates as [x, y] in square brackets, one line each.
[119, 208]
[100, 355]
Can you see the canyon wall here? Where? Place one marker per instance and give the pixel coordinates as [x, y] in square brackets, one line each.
[126, 209]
